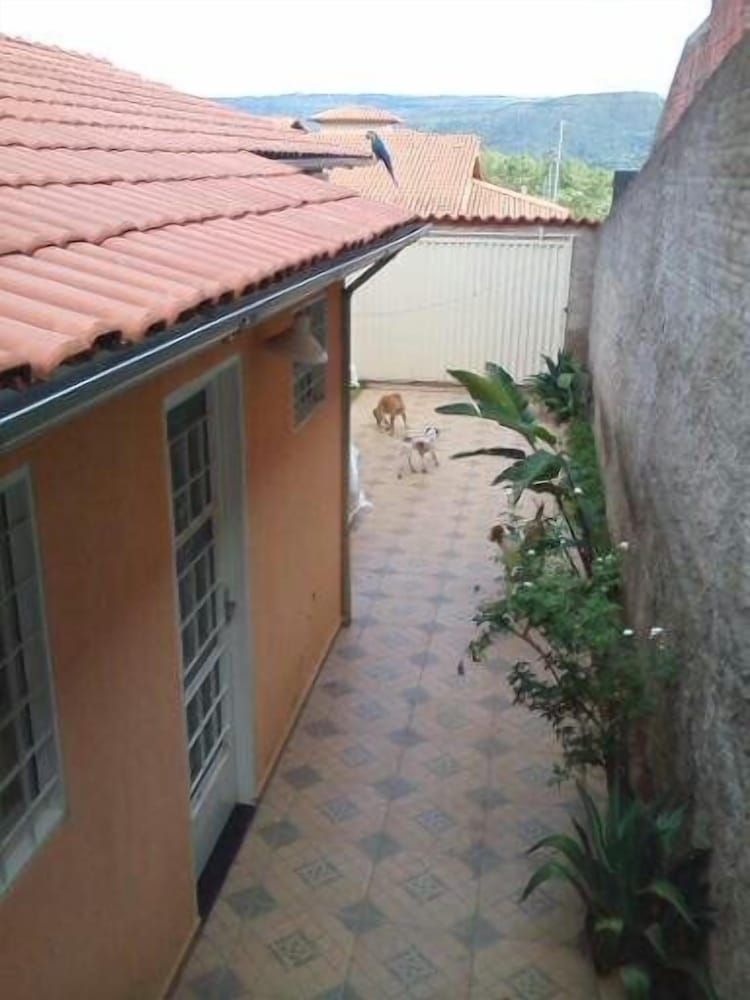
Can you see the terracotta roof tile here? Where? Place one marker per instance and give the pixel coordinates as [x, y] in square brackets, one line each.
[357, 113]
[125, 206]
[435, 174]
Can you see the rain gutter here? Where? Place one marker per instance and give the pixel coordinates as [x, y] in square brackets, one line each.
[34, 410]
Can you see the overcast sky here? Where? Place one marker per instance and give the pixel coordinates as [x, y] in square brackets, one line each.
[235, 47]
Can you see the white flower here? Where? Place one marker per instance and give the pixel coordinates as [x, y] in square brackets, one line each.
[655, 632]
[531, 552]
[578, 491]
[528, 583]
[628, 632]
[623, 546]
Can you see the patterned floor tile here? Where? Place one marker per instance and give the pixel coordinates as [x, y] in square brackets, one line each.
[340, 809]
[443, 766]
[476, 932]
[256, 901]
[531, 983]
[480, 859]
[322, 729]
[302, 777]
[411, 967]
[361, 917]
[436, 821]
[220, 984]
[388, 854]
[425, 887]
[319, 872]
[394, 787]
[416, 695]
[356, 756]
[378, 846]
[279, 834]
[487, 797]
[336, 689]
[405, 737]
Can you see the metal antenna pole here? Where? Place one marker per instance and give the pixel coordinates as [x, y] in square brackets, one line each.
[556, 188]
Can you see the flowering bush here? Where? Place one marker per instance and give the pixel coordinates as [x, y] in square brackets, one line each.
[588, 674]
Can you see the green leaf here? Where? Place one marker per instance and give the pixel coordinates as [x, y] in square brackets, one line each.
[494, 393]
[595, 824]
[565, 845]
[499, 399]
[514, 453]
[459, 409]
[672, 895]
[500, 376]
[565, 381]
[552, 488]
[654, 934]
[542, 466]
[545, 435]
[555, 870]
[610, 925]
[637, 982]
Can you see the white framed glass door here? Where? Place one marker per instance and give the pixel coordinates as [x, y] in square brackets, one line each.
[204, 515]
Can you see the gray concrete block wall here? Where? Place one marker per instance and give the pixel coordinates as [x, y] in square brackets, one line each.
[585, 243]
[670, 353]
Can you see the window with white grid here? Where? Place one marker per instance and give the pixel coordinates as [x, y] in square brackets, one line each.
[31, 794]
[310, 380]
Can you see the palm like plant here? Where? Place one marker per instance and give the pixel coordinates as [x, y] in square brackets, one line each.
[563, 388]
[646, 905]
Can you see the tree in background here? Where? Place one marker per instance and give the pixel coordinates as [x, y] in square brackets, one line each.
[585, 190]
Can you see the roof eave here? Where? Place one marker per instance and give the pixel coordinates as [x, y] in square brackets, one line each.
[314, 164]
[27, 414]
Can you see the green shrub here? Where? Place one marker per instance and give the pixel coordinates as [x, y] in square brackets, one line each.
[646, 902]
[563, 388]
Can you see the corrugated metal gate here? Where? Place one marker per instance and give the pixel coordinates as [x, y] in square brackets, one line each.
[457, 301]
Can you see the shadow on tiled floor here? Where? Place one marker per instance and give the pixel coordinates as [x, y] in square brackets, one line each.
[387, 856]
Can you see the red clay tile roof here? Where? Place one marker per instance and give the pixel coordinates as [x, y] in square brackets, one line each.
[351, 113]
[435, 174]
[125, 206]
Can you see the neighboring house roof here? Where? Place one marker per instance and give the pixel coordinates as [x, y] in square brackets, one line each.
[703, 53]
[126, 206]
[436, 180]
[352, 113]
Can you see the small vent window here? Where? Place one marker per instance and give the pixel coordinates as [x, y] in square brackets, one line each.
[310, 380]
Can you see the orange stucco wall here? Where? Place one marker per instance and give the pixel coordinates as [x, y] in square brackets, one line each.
[106, 908]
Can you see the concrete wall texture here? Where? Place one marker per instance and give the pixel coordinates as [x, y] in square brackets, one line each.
[582, 265]
[107, 905]
[670, 353]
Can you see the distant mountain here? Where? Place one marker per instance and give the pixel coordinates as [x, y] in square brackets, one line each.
[607, 130]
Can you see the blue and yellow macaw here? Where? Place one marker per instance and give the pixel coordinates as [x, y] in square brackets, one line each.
[380, 152]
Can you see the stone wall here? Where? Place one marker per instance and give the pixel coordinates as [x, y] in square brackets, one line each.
[670, 354]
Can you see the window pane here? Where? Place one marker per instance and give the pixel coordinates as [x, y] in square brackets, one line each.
[28, 750]
[9, 754]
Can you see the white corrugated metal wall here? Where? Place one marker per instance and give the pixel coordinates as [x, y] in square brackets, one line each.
[459, 300]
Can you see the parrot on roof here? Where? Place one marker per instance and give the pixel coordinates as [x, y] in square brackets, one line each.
[380, 152]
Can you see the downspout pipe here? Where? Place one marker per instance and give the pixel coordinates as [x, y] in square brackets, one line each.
[346, 417]
[24, 415]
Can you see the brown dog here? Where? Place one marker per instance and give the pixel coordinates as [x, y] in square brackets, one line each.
[390, 407]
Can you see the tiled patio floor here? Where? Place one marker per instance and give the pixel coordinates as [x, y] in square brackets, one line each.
[387, 855]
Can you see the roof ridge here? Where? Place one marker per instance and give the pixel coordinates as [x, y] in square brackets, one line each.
[515, 193]
[49, 47]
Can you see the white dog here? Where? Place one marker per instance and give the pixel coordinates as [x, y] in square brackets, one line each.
[419, 444]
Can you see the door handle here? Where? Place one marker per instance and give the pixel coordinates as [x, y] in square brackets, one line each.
[230, 607]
